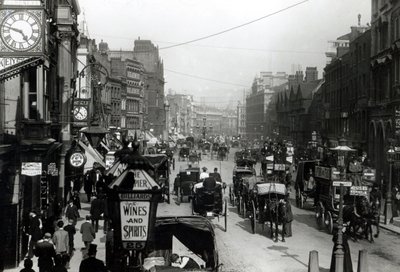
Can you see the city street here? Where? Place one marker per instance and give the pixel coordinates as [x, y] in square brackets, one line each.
[240, 250]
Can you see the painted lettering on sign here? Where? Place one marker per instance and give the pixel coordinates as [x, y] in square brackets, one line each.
[134, 220]
[7, 62]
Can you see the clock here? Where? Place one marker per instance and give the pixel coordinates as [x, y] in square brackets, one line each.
[77, 159]
[80, 113]
[21, 30]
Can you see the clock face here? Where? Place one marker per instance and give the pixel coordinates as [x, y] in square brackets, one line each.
[20, 30]
[80, 113]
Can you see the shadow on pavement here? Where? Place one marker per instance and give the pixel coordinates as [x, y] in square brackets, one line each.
[284, 250]
[309, 220]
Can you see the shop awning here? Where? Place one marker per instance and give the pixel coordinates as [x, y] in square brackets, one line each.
[18, 68]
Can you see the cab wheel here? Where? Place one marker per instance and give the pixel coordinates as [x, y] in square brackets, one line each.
[329, 222]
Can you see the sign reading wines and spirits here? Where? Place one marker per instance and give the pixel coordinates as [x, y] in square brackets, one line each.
[134, 220]
[31, 168]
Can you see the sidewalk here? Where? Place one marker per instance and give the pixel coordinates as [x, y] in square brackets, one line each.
[78, 254]
[393, 227]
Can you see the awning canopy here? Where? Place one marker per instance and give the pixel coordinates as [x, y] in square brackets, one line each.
[19, 67]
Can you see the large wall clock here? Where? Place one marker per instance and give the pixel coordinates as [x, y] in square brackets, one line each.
[21, 30]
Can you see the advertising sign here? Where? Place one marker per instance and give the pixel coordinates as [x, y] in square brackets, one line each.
[134, 220]
[322, 172]
[31, 169]
[52, 169]
[359, 191]
[344, 183]
[7, 62]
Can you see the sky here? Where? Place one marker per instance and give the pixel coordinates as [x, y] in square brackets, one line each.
[286, 37]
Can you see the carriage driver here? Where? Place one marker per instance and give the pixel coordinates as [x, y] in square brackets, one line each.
[310, 186]
[204, 174]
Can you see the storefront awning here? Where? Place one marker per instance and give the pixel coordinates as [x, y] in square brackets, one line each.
[18, 68]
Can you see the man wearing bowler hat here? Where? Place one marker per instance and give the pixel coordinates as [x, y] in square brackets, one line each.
[91, 264]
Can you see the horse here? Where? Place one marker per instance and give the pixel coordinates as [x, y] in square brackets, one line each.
[356, 215]
[373, 219]
[276, 213]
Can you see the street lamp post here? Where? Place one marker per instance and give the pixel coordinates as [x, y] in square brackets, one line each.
[388, 202]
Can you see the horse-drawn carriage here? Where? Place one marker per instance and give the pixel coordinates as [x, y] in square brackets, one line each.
[239, 172]
[269, 204]
[184, 152]
[194, 157]
[188, 176]
[235, 143]
[205, 147]
[208, 200]
[214, 149]
[305, 172]
[196, 233]
[222, 152]
[161, 172]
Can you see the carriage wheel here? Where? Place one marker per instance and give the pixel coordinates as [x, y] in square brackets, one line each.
[231, 197]
[320, 216]
[298, 198]
[192, 200]
[253, 219]
[168, 197]
[329, 222]
[173, 164]
[226, 216]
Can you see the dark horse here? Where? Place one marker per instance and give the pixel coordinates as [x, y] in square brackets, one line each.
[362, 216]
[276, 213]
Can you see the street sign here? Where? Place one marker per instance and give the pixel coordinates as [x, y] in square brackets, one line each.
[359, 190]
[344, 183]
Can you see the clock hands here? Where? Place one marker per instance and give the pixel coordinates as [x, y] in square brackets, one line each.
[20, 31]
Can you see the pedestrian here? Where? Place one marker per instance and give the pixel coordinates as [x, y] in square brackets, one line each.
[88, 233]
[395, 201]
[70, 228]
[28, 264]
[289, 218]
[71, 212]
[34, 231]
[61, 239]
[183, 262]
[45, 252]
[204, 174]
[177, 183]
[91, 264]
[76, 199]
[88, 185]
[59, 264]
[96, 211]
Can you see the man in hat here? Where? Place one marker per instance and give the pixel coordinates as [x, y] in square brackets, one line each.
[71, 212]
[70, 229]
[45, 251]
[88, 232]
[204, 174]
[61, 239]
[91, 263]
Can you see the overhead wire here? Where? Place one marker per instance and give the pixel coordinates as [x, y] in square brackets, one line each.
[204, 78]
[235, 27]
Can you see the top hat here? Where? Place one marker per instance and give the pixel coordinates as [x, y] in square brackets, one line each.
[204, 168]
[92, 248]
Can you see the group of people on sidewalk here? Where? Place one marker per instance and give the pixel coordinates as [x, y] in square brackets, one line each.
[55, 249]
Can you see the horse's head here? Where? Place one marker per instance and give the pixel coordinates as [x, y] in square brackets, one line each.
[362, 206]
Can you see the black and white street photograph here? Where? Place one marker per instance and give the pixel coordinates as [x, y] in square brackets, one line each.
[199, 135]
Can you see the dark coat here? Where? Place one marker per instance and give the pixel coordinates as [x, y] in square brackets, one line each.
[34, 229]
[46, 252]
[217, 176]
[88, 183]
[97, 208]
[92, 264]
[209, 183]
[71, 232]
[72, 212]
[88, 233]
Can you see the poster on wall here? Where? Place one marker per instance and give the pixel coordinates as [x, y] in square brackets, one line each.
[31, 168]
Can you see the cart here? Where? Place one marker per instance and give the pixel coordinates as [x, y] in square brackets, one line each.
[208, 201]
[303, 173]
[239, 172]
[188, 176]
